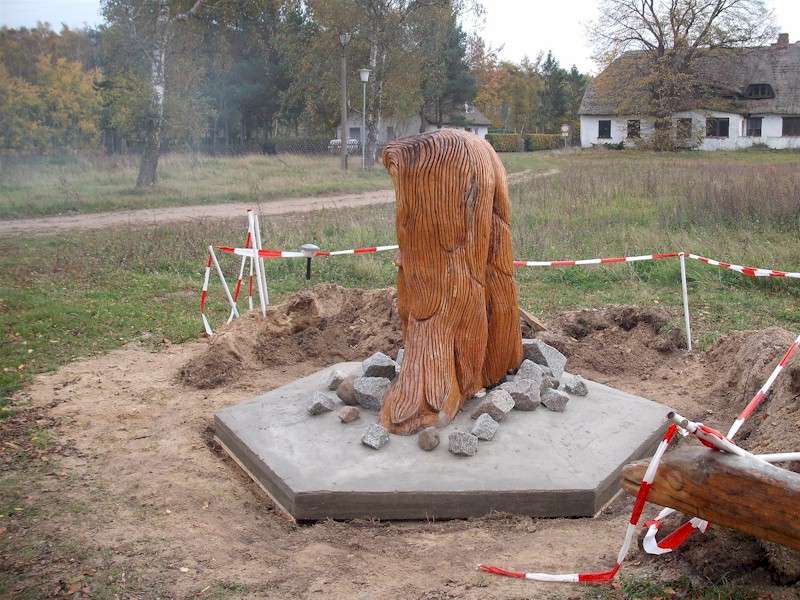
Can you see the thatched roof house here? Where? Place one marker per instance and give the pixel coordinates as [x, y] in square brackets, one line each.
[745, 96]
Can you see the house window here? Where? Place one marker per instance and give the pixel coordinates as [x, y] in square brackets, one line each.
[604, 129]
[683, 130]
[791, 126]
[634, 128]
[759, 91]
[753, 127]
[717, 127]
[355, 133]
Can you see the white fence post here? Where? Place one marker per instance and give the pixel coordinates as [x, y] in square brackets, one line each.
[685, 291]
[255, 258]
[260, 266]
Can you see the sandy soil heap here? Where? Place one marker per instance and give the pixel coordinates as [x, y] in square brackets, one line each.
[325, 324]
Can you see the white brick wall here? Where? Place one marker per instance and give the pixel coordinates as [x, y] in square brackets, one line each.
[771, 130]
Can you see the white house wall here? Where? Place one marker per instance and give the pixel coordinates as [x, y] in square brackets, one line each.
[771, 130]
[407, 127]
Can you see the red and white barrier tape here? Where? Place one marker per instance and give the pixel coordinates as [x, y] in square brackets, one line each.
[636, 514]
[593, 261]
[677, 537]
[366, 250]
[238, 288]
[248, 252]
[761, 394]
[749, 271]
[708, 437]
[204, 296]
[212, 260]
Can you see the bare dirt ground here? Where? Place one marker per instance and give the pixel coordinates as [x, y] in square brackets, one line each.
[173, 214]
[133, 499]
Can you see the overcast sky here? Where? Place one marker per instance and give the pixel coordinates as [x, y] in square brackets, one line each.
[521, 27]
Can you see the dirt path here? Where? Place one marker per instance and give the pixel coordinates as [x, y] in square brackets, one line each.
[172, 214]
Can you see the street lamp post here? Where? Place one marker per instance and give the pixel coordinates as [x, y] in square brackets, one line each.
[364, 73]
[344, 39]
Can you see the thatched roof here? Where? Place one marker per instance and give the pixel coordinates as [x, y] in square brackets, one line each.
[620, 87]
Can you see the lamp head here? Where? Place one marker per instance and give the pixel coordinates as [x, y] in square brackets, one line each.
[364, 74]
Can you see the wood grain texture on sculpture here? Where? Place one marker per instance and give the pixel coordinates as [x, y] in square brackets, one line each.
[456, 293]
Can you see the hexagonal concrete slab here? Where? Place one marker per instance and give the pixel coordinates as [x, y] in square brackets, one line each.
[540, 463]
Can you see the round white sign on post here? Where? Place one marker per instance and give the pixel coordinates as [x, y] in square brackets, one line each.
[565, 130]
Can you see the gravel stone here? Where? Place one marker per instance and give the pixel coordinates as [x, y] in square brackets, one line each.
[369, 391]
[400, 355]
[573, 384]
[530, 370]
[485, 427]
[509, 378]
[375, 436]
[524, 392]
[549, 383]
[346, 392]
[335, 379]
[462, 443]
[428, 438]
[321, 403]
[555, 400]
[379, 365]
[481, 393]
[542, 354]
[348, 414]
[497, 404]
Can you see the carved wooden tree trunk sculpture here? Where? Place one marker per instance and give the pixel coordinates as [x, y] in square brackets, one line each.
[456, 294]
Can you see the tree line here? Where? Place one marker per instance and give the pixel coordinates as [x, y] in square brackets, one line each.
[223, 76]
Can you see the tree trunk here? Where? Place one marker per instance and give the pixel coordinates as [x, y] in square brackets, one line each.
[344, 133]
[377, 63]
[148, 167]
[733, 491]
[456, 294]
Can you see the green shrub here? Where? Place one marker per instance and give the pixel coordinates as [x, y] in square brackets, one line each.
[543, 141]
[506, 142]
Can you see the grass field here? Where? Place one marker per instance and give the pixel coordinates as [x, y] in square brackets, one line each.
[73, 185]
[74, 295]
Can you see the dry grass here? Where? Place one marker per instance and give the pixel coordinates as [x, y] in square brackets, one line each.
[81, 184]
[91, 184]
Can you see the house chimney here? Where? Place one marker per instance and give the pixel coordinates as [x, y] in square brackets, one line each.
[783, 40]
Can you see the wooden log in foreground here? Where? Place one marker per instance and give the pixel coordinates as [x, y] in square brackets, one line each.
[736, 492]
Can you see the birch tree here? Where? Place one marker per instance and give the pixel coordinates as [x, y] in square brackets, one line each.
[165, 23]
[151, 27]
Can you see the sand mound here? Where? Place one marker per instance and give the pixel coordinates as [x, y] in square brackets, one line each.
[739, 364]
[615, 339]
[324, 325]
[742, 362]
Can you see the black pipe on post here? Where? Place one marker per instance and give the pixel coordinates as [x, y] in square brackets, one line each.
[309, 251]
